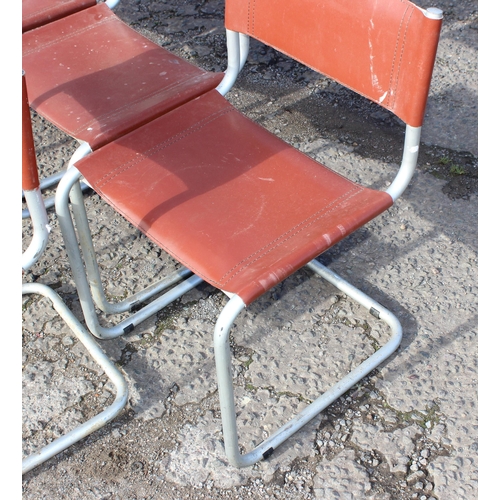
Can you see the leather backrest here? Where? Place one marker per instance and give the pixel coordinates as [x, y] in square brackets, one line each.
[382, 49]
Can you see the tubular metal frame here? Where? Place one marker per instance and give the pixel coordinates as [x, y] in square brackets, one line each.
[30, 256]
[41, 228]
[85, 269]
[82, 150]
[115, 376]
[225, 379]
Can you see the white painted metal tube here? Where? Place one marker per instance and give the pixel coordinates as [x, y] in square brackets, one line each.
[72, 248]
[50, 201]
[224, 372]
[40, 225]
[244, 48]
[144, 313]
[408, 163]
[433, 13]
[112, 3]
[101, 359]
[233, 62]
[130, 303]
[83, 150]
[225, 378]
[357, 295]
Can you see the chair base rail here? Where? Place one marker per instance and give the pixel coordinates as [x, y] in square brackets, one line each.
[116, 377]
[225, 379]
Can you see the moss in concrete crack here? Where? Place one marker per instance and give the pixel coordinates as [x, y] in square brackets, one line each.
[425, 419]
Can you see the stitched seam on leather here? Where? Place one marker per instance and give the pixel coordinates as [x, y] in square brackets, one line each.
[179, 136]
[253, 15]
[392, 97]
[350, 87]
[117, 111]
[70, 35]
[403, 46]
[248, 15]
[287, 236]
[216, 283]
[37, 12]
[49, 8]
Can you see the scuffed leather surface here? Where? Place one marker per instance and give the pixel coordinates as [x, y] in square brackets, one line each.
[235, 204]
[384, 50]
[96, 78]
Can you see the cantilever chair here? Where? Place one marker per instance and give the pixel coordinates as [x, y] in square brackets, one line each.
[239, 207]
[95, 78]
[38, 243]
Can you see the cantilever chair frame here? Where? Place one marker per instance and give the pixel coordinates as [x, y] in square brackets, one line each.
[89, 286]
[30, 256]
[237, 52]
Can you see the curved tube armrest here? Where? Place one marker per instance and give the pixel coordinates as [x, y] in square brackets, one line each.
[408, 163]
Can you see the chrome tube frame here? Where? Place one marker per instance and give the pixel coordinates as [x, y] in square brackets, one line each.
[38, 244]
[408, 163]
[83, 150]
[41, 228]
[225, 379]
[112, 3]
[101, 359]
[237, 52]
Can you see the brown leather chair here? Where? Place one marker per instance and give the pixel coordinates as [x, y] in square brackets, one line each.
[239, 207]
[35, 249]
[96, 79]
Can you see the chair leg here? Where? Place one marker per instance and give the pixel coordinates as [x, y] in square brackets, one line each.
[86, 272]
[54, 179]
[225, 379]
[106, 364]
[41, 229]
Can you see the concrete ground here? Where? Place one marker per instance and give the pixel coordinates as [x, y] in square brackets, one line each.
[407, 431]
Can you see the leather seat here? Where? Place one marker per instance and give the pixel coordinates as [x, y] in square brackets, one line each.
[239, 207]
[95, 78]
